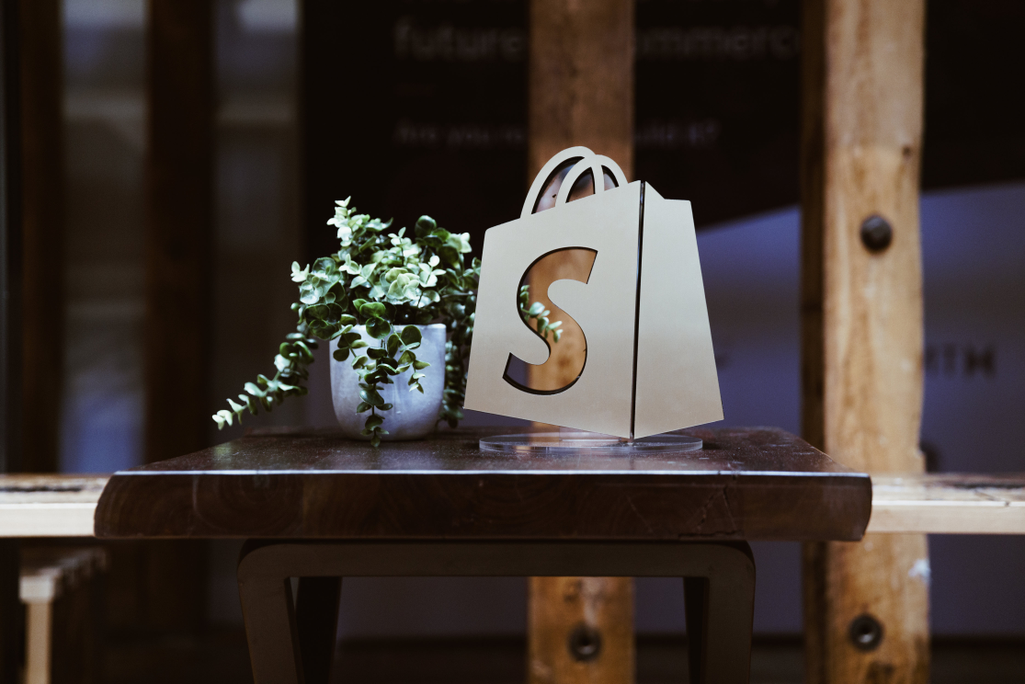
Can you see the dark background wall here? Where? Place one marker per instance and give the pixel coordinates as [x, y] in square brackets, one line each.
[419, 107]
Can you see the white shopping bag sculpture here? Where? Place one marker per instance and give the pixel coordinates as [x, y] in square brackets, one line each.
[649, 367]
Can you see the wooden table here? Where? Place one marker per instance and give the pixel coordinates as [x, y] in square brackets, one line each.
[317, 507]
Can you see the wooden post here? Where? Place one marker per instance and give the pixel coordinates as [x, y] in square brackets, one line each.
[866, 604]
[42, 183]
[581, 79]
[38, 642]
[581, 93]
[179, 224]
[179, 210]
[10, 324]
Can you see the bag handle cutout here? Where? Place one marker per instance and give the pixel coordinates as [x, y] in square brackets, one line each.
[581, 160]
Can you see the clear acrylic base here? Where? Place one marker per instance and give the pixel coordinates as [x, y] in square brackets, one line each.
[575, 441]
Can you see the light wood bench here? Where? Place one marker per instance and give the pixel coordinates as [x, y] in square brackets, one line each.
[49, 505]
[62, 598]
[949, 504]
[63, 505]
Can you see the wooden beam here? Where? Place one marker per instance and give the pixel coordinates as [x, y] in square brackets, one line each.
[179, 213]
[42, 182]
[580, 629]
[581, 83]
[862, 323]
[580, 93]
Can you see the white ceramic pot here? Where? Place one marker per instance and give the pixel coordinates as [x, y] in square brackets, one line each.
[412, 415]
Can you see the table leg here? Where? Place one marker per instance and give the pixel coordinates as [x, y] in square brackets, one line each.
[720, 613]
[316, 615]
[271, 631]
[695, 605]
[293, 644]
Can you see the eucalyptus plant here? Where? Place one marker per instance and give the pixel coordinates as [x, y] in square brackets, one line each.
[390, 283]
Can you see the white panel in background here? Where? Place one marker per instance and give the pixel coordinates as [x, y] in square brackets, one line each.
[268, 15]
[105, 14]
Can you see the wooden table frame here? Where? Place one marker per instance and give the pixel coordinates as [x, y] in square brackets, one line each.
[294, 645]
[324, 507]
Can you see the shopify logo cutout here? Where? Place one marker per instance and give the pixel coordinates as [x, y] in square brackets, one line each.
[649, 365]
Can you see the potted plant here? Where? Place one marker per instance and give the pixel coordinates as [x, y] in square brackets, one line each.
[373, 300]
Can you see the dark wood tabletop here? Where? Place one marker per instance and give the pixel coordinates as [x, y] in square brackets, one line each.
[751, 484]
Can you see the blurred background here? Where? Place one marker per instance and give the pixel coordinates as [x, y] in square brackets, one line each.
[416, 107]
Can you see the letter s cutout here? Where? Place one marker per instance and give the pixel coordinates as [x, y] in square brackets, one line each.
[512, 358]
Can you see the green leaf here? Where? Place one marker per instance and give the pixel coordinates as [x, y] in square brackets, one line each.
[301, 347]
[420, 365]
[308, 293]
[411, 335]
[250, 403]
[374, 421]
[394, 342]
[371, 396]
[396, 290]
[341, 354]
[378, 328]
[324, 267]
[425, 224]
[449, 255]
[373, 310]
